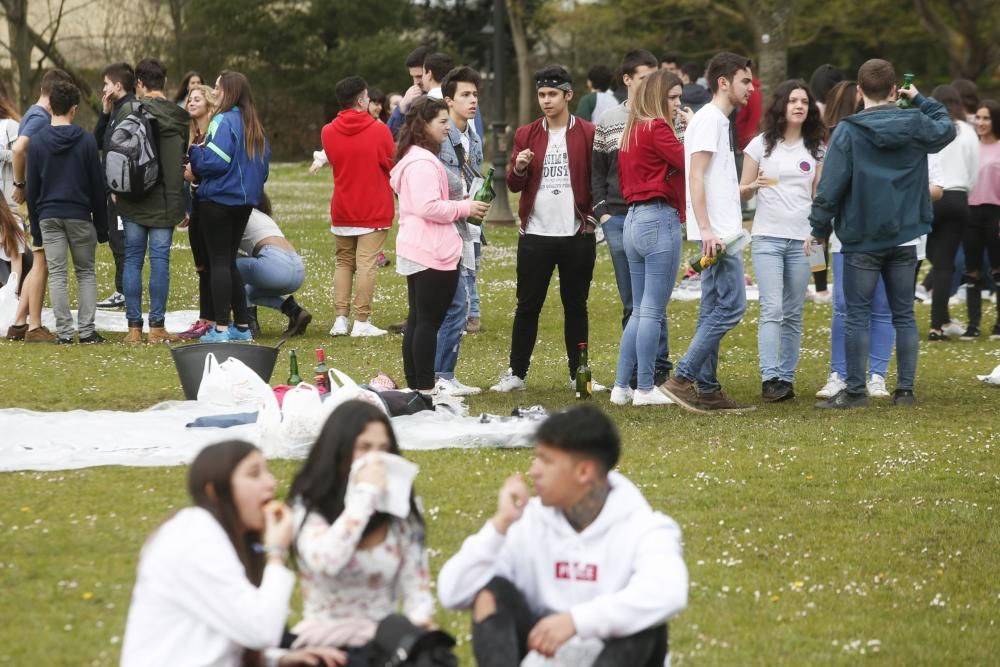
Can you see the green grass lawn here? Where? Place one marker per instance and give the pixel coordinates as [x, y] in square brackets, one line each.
[811, 538]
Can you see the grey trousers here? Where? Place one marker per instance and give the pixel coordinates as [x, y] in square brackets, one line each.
[62, 237]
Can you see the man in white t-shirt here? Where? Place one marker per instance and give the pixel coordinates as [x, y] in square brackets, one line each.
[713, 214]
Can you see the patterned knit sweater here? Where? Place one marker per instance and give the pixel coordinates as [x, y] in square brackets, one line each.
[604, 188]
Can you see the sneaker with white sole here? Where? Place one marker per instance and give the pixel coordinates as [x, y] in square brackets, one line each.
[921, 294]
[621, 395]
[834, 385]
[453, 387]
[366, 328]
[595, 386]
[509, 382]
[953, 329]
[651, 397]
[115, 301]
[876, 386]
[339, 327]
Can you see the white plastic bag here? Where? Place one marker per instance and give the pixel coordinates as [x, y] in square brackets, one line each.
[301, 414]
[8, 303]
[343, 389]
[231, 383]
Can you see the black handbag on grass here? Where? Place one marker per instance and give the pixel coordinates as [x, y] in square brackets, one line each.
[400, 643]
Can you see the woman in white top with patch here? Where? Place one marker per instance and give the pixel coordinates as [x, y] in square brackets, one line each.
[782, 167]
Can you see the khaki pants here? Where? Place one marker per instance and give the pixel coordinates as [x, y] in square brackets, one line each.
[356, 255]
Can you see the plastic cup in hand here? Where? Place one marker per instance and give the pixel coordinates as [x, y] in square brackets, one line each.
[817, 260]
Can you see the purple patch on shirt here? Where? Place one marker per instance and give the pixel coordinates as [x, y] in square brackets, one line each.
[805, 167]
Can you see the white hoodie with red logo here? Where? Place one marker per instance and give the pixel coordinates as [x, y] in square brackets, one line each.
[622, 574]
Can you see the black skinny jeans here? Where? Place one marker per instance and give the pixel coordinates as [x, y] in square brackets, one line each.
[537, 258]
[951, 215]
[981, 236]
[201, 266]
[222, 227]
[429, 293]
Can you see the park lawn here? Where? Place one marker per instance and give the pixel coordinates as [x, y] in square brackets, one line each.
[811, 538]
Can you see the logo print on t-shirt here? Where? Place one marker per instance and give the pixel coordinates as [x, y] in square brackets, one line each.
[805, 167]
[576, 571]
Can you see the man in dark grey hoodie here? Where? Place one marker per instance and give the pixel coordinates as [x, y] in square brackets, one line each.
[66, 206]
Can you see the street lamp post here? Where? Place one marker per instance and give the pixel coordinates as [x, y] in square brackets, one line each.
[500, 212]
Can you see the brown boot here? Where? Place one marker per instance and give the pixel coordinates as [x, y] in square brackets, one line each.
[134, 336]
[160, 335]
[17, 331]
[39, 335]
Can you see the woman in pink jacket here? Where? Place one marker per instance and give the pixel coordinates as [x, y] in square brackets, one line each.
[428, 247]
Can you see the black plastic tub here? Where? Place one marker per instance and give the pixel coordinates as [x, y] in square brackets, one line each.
[189, 360]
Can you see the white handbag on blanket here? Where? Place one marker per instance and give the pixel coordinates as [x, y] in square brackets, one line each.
[8, 303]
[231, 383]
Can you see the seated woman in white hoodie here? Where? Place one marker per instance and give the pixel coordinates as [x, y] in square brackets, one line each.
[588, 557]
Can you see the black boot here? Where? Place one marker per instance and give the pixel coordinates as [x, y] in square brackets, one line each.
[298, 317]
[254, 324]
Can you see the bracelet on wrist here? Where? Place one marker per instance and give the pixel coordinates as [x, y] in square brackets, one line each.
[272, 550]
[19, 184]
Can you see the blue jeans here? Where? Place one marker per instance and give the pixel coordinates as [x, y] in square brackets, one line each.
[782, 270]
[614, 236]
[474, 310]
[136, 239]
[653, 247]
[270, 275]
[882, 337]
[723, 302]
[449, 336]
[897, 267]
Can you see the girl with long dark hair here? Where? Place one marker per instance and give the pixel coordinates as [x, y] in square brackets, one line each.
[378, 105]
[190, 80]
[984, 219]
[782, 166]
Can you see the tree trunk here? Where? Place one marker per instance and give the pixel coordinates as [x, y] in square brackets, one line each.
[518, 34]
[968, 53]
[20, 50]
[773, 44]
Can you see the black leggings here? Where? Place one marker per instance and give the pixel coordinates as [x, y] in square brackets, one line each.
[981, 236]
[951, 215]
[200, 253]
[222, 227]
[429, 293]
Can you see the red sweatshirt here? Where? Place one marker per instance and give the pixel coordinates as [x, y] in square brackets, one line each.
[579, 145]
[653, 165]
[360, 150]
[748, 117]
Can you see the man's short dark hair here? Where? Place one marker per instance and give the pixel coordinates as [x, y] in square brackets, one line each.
[51, 77]
[633, 60]
[600, 77]
[121, 73]
[63, 97]
[461, 74]
[348, 90]
[725, 65]
[585, 431]
[876, 79]
[692, 71]
[152, 73]
[417, 56]
[671, 58]
[438, 64]
[553, 76]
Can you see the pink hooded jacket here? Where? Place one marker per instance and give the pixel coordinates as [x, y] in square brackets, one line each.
[427, 234]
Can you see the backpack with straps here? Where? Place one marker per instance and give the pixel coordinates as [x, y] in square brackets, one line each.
[131, 154]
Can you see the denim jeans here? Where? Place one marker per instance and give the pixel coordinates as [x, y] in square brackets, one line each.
[723, 302]
[653, 247]
[136, 239]
[861, 272]
[474, 310]
[271, 275]
[614, 235]
[449, 336]
[882, 337]
[782, 270]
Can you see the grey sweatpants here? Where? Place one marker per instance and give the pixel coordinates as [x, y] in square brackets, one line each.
[62, 237]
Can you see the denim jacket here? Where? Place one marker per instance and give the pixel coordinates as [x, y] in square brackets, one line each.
[474, 161]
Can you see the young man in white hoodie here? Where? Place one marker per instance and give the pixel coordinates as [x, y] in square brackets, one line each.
[587, 558]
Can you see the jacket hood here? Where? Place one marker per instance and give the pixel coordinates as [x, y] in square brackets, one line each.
[62, 138]
[171, 118]
[415, 154]
[351, 122]
[624, 502]
[886, 126]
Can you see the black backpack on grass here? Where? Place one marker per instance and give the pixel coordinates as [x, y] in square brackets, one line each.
[131, 154]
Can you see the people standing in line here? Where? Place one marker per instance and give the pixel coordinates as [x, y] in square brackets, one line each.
[428, 247]
[712, 196]
[189, 82]
[593, 105]
[462, 155]
[232, 165]
[610, 207]
[959, 162]
[28, 318]
[66, 205]
[415, 69]
[651, 173]
[550, 167]
[983, 232]
[360, 151]
[882, 150]
[782, 167]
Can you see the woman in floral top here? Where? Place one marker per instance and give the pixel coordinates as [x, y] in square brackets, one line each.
[357, 565]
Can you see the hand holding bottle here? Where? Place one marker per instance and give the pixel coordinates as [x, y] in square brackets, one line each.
[478, 209]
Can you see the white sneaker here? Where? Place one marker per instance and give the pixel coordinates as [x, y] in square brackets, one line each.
[876, 386]
[953, 329]
[621, 395]
[921, 294]
[651, 397]
[339, 327]
[365, 328]
[834, 385]
[509, 382]
[453, 387]
[595, 386]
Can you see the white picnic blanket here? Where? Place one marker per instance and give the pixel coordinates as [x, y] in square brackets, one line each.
[175, 321]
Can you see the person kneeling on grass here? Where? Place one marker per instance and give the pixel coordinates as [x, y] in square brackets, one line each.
[587, 558]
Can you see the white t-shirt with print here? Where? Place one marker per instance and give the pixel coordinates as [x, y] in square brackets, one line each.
[553, 213]
[783, 209]
[709, 132]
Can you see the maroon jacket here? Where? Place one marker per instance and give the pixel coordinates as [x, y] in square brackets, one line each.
[579, 145]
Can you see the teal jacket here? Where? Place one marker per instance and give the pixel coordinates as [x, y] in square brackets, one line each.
[874, 181]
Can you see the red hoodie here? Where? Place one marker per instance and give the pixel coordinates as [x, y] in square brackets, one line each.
[360, 150]
[748, 117]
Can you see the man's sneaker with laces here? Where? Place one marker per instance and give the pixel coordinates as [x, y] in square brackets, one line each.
[971, 333]
[241, 335]
[684, 393]
[453, 387]
[775, 391]
[843, 401]
[114, 302]
[93, 339]
[215, 336]
[509, 382]
[39, 335]
[365, 329]
[834, 385]
[650, 397]
[876, 386]
[903, 397]
[621, 395]
[339, 327]
[953, 329]
[718, 401]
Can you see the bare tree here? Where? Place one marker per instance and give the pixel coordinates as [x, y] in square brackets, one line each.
[20, 48]
[519, 36]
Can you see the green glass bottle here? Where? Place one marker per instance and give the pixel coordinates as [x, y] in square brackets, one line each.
[320, 377]
[486, 194]
[700, 263]
[905, 102]
[584, 379]
[293, 369]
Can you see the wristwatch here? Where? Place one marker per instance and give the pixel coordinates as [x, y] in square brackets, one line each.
[19, 185]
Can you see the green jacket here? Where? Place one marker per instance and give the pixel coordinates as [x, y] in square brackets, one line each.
[164, 205]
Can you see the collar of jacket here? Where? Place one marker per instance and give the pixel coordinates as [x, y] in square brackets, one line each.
[569, 126]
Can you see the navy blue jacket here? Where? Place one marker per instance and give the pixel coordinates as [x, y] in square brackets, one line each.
[229, 175]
